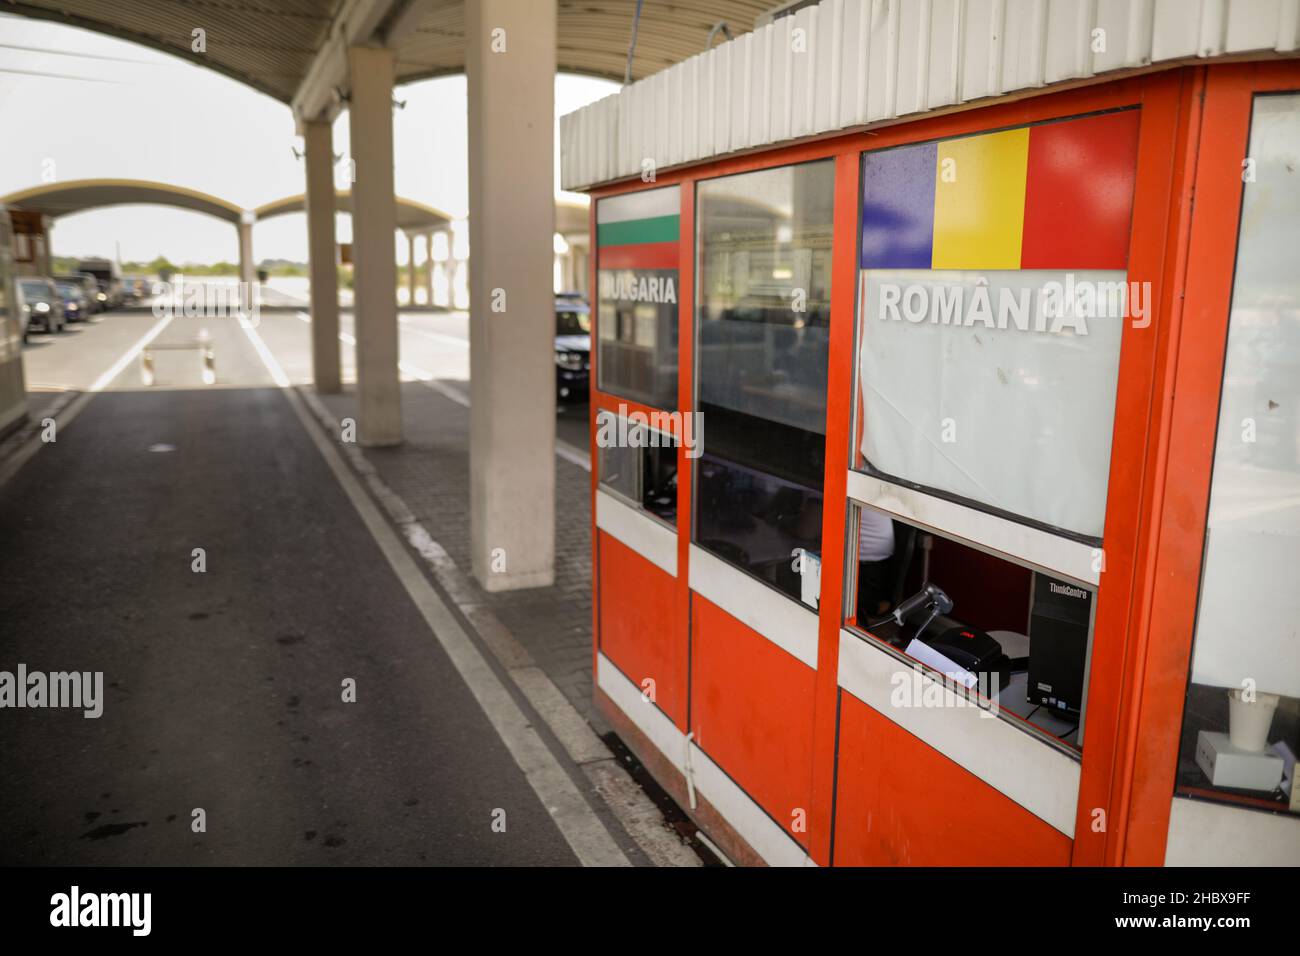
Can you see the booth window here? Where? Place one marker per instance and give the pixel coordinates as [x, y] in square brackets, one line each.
[1015, 638]
[763, 317]
[992, 296]
[639, 465]
[637, 249]
[1241, 726]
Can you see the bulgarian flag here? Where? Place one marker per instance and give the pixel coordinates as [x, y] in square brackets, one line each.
[639, 230]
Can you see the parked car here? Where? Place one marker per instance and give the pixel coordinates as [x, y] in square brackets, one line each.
[133, 289]
[89, 287]
[108, 296]
[76, 303]
[109, 277]
[572, 348]
[41, 305]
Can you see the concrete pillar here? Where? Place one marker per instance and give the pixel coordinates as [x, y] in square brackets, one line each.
[374, 221]
[247, 270]
[410, 269]
[321, 255]
[428, 264]
[510, 68]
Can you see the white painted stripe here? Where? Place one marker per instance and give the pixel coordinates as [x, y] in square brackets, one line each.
[1030, 772]
[129, 355]
[648, 537]
[436, 336]
[573, 455]
[427, 379]
[1000, 536]
[69, 410]
[1202, 833]
[272, 366]
[745, 816]
[784, 621]
[573, 816]
[644, 204]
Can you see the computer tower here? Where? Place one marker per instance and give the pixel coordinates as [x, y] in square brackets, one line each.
[1060, 617]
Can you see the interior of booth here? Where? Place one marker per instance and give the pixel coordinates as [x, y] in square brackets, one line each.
[996, 629]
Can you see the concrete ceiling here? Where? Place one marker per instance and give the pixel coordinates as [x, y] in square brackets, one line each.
[272, 45]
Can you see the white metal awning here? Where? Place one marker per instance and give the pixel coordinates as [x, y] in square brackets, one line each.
[846, 64]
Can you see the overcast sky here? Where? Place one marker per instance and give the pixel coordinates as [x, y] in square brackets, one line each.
[118, 110]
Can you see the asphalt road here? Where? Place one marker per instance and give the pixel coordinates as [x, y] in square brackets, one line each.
[223, 688]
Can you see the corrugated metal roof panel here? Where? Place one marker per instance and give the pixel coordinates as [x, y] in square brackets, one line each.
[850, 63]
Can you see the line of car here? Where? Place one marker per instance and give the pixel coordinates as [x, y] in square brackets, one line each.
[572, 348]
[49, 303]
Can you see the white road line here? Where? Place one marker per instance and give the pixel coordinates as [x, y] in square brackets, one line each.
[264, 354]
[573, 454]
[573, 816]
[64, 416]
[116, 368]
[570, 453]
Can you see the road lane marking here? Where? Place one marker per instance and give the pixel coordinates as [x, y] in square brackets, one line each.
[64, 414]
[570, 453]
[129, 355]
[577, 822]
[272, 366]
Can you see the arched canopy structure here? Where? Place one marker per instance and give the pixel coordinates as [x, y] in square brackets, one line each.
[65, 198]
[412, 216]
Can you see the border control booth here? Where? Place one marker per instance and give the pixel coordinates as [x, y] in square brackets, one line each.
[946, 455]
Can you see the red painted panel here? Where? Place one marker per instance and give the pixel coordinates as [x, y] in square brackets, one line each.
[637, 631]
[752, 712]
[899, 802]
[642, 255]
[1079, 192]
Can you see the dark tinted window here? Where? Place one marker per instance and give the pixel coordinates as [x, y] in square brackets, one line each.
[763, 316]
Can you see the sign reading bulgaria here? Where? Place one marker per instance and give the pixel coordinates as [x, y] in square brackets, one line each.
[639, 286]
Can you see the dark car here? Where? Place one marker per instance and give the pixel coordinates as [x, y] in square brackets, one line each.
[76, 303]
[89, 287]
[41, 305]
[572, 348]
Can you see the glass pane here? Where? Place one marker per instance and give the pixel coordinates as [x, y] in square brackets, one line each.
[637, 237]
[763, 318]
[619, 471]
[1242, 724]
[993, 295]
[659, 482]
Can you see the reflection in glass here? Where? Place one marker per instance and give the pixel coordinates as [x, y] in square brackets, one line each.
[763, 317]
[1246, 633]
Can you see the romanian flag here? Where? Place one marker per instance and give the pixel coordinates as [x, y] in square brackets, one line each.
[639, 230]
[1057, 195]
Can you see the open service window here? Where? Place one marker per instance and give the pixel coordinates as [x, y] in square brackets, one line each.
[762, 332]
[638, 464]
[637, 248]
[1012, 638]
[1241, 726]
